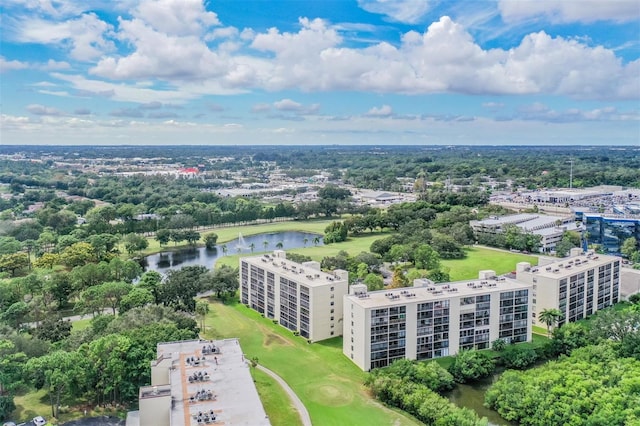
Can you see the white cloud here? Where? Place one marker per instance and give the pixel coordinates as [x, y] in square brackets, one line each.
[176, 17]
[38, 109]
[407, 11]
[570, 10]
[6, 65]
[85, 35]
[262, 107]
[383, 111]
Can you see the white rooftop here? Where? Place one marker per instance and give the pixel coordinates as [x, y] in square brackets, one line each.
[571, 265]
[435, 292]
[306, 273]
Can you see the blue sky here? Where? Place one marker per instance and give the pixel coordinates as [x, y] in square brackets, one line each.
[425, 72]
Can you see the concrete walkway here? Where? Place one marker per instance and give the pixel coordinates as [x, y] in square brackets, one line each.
[304, 414]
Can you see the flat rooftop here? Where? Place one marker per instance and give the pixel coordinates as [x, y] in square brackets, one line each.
[435, 292]
[571, 265]
[223, 385]
[306, 274]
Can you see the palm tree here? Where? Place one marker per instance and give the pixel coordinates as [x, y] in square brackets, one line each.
[316, 241]
[305, 241]
[550, 317]
[265, 243]
[252, 246]
[224, 249]
[279, 245]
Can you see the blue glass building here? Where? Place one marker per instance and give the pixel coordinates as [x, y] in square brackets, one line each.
[610, 231]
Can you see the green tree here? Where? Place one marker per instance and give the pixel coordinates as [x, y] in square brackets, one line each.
[137, 297]
[374, 282]
[210, 240]
[202, 309]
[181, 286]
[223, 281]
[13, 262]
[77, 254]
[550, 317]
[471, 365]
[629, 247]
[163, 236]
[61, 374]
[425, 257]
[150, 281]
[135, 243]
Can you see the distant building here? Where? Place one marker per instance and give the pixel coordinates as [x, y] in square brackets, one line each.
[550, 228]
[578, 285]
[300, 297]
[434, 320]
[610, 230]
[199, 382]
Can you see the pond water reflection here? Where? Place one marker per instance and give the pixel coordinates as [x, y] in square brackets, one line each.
[194, 256]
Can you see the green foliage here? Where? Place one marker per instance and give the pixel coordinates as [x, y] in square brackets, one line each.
[518, 357]
[134, 243]
[592, 386]
[53, 329]
[210, 240]
[470, 365]
[14, 262]
[498, 345]
[181, 286]
[336, 232]
[550, 317]
[420, 401]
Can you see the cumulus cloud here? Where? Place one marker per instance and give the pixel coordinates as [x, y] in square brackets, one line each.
[570, 11]
[6, 65]
[127, 112]
[261, 107]
[407, 11]
[38, 109]
[383, 111]
[85, 35]
[82, 111]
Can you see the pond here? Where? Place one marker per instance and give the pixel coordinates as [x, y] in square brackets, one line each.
[195, 256]
[472, 396]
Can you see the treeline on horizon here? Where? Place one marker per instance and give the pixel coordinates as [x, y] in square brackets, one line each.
[372, 167]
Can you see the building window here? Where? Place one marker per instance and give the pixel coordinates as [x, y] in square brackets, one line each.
[331, 318]
[331, 288]
[333, 310]
[333, 303]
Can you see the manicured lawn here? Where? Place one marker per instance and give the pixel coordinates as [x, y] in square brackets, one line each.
[480, 258]
[31, 404]
[276, 402]
[328, 384]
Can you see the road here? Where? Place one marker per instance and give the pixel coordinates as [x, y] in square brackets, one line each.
[304, 414]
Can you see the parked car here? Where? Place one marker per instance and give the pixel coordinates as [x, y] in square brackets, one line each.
[39, 421]
[8, 424]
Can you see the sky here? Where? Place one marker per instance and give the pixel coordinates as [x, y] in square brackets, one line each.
[320, 72]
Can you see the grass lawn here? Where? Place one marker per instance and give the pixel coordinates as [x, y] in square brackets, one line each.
[328, 384]
[31, 404]
[480, 258]
[276, 402]
[81, 324]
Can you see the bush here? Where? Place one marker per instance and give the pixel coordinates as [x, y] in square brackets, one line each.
[471, 365]
[518, 357]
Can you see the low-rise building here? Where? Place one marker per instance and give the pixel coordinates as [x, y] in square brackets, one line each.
[299, 296]
[434, 320]
[199, 382]
[550, 228]
[578, 285]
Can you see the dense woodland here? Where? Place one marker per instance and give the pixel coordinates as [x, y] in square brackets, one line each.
[53, 265]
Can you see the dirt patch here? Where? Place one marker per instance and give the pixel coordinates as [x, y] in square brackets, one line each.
[271, 338]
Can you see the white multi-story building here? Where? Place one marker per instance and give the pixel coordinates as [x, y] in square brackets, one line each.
[434, 320]
[199, 382]
[578, 285]
[299, 296]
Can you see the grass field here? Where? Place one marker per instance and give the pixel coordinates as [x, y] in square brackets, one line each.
[479, 258]
[276, 402]
[328, 384]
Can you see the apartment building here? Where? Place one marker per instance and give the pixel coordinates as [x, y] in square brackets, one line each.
[434, 320]
[299, 296]
[199, 382]
[578, 285]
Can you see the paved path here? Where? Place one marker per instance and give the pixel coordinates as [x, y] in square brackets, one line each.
[304, 414]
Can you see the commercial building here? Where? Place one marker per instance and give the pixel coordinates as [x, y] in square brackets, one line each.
[199, 382]
[434, 320]
[550, 228]
[578, 285]
[299, 296]
[610, 230]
